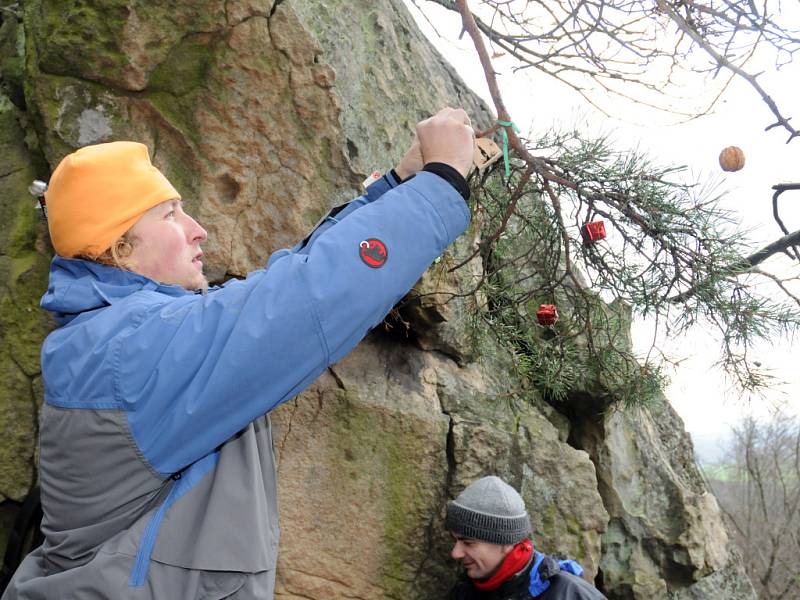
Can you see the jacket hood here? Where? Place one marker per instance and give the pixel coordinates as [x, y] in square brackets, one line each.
[77, 286]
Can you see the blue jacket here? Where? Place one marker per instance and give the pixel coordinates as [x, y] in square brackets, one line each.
[543, 578]
[156, 462]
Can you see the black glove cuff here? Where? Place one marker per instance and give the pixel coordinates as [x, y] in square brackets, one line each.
[450, 175]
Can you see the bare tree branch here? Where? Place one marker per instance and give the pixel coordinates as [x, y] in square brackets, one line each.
[671, 252]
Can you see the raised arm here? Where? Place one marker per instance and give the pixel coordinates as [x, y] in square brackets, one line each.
[192, 370]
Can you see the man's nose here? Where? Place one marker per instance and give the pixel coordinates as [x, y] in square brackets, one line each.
[196, 232]
[457, 552]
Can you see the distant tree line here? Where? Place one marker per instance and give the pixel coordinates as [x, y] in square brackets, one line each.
[758, 488]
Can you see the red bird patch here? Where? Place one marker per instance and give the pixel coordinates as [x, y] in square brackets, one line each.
[373, 252]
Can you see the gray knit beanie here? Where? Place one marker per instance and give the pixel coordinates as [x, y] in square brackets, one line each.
[489, 510]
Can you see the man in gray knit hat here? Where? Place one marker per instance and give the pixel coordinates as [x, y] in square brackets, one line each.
[491, 529]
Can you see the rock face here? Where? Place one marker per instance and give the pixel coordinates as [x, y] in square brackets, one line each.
[264, 114]
[24, 261]
[372, 453]
[665, 537]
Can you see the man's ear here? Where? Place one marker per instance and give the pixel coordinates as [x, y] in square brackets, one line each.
[506, 548]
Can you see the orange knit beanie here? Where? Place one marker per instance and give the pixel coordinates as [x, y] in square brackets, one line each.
[98, 192]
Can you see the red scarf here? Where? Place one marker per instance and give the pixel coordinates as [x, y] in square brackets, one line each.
[512, 564]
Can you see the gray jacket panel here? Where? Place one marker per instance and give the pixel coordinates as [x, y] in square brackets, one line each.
[93, 580]
[228, 521]
[218, 540]
[97, 497]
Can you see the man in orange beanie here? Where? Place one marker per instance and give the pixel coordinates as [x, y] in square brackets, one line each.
[156, 464]
[97, 193]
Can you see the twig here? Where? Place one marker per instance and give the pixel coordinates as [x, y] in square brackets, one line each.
[723, 61]
[779, 189]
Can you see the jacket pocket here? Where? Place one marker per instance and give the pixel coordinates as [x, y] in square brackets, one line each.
[177, 583]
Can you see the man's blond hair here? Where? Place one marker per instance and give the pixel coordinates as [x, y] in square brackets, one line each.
[115, 255]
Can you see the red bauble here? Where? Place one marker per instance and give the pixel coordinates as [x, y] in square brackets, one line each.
[594, 231]
[547, 314]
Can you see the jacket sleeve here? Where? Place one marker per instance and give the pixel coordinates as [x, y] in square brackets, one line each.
[193, 371]
[374, 191]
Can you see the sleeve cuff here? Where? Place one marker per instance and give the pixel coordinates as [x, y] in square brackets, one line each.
[451, 176]
[393, 178]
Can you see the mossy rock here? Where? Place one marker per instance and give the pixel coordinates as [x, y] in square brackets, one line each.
[24, 262]
[18, 418]
[12, 53]
[114, 42]
[381, 449]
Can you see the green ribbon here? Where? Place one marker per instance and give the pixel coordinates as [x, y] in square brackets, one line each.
[505, 124]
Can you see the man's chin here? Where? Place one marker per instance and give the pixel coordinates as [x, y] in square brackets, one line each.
[473, 572]
[198, 283]
[202, 285]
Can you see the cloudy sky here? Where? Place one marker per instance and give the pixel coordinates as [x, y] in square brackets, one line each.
[700, 393]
